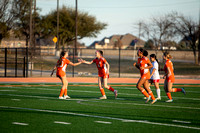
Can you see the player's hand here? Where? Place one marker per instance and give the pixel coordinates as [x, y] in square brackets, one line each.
[134, 64]
[141, 68]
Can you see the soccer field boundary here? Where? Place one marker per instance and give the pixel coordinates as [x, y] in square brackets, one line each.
[102, 117]
[80, 84]
[87, 80]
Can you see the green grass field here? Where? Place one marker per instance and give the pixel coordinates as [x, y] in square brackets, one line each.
[36, 108]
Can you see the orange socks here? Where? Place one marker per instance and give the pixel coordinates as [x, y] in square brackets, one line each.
[169, 95]
[176, 89]
[152, 96]
[61, 92]
[111, 89]
[102, 91]
[145, 93]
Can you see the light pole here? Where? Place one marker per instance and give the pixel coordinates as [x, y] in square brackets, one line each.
[57, 25]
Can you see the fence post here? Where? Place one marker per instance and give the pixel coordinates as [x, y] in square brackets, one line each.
[26, 61]
[119, 60]
[5, 72]
[15, 62]
[24, 66]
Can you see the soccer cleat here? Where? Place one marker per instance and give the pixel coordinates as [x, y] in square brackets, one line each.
[145, 98]
[183, 90]
[169, 101]
[115, 92]
[158, 98]
[61, 98]
[148, 98]
[103, 97]
[154, 101]
[66, 97]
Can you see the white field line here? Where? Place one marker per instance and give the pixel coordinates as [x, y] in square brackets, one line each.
[103, 122]
[178, 107]
[60, 122]
[19, 123]
[16, 99]
[187, 122]
[102, 117]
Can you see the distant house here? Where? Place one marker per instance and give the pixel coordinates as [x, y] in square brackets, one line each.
[127, 41]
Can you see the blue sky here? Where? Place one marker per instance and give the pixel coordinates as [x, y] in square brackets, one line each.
[121, 15]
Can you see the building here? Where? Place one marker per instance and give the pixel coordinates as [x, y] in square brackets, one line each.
[127, 41]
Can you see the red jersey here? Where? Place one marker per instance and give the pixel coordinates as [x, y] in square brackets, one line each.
[101, 65]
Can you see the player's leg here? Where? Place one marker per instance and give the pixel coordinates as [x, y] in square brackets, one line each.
[167, 88]
[66, 85]
[100, 82]
[139, 87]
[105, 81]
[62, 89]
[146, 86]
[156, 84]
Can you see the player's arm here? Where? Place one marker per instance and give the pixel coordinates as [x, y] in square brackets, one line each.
[136, 65]
[153, 72]
[108, 67]
[148, 67]
[75, 64]
[87, 62]
[53, 70]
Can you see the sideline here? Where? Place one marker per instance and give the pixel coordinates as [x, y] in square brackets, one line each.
[88, 80]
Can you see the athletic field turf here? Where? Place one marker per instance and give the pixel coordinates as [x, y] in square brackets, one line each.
[36, 108]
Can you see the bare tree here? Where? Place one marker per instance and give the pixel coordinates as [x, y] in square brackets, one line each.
[188, 29]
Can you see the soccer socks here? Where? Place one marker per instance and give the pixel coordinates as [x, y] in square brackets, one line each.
[169, 95]
[145, 93]
[152, 96]
[111, 89]
[102, 91]
[176, 89]
[61, 92]
[158, 92]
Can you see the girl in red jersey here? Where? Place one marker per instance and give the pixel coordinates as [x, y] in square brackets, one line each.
[103, 73]
[61, 66]
[144, 65]
[169, 77]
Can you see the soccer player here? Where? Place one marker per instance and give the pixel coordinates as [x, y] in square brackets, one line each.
[144, 65]
[61, 66]
[169, 77]
[155, 77]
[103, 73]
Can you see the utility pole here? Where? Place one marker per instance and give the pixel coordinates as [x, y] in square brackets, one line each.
[57, 46]
[76, 28]
[31, 21]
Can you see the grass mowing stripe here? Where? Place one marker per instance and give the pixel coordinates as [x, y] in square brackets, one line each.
[102, 117]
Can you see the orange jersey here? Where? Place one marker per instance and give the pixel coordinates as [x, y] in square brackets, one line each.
[143, 62]
[61, 69]
[101, 65]
[170, 77]
[169, 64]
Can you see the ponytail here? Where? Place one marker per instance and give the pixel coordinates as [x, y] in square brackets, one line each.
[61, 56]
[167, 55]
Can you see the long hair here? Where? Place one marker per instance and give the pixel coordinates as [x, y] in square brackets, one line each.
[154, 56]
[167, 55]
[61, 56]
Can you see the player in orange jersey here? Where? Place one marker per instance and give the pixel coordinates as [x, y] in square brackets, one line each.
[144, 65]
[61, 66]
[103, 73]
[169, 77]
